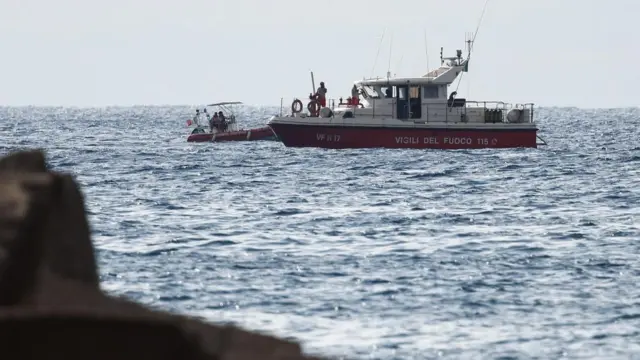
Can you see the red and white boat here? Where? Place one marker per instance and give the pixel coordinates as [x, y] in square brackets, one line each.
[410, 113]
[229, 131]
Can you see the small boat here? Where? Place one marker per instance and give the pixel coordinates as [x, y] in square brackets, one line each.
[409, 112]
[227, 129]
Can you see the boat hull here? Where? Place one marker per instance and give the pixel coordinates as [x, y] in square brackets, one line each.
[263, 133]
[342, 137]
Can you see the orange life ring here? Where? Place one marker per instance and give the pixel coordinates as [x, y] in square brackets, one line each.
[296, 109]
[313, 107]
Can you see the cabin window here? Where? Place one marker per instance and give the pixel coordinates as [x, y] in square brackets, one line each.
[430, 91]
[370, 92]
[402, 93]
[414, 92]
[386, 91]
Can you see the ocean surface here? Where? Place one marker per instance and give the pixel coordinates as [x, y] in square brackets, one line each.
[366, 254]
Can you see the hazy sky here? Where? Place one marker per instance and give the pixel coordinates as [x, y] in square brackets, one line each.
[551, 52]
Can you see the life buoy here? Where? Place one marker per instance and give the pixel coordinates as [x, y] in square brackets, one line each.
[313, 107]
[296, 106]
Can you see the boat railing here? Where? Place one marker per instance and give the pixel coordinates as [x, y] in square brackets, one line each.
[497, 105]
[502, 106]
[331, 103]
[497, 109]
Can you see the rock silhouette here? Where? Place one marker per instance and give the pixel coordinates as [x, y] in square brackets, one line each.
[51, 304]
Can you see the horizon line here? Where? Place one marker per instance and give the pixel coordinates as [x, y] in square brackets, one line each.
[256, 105]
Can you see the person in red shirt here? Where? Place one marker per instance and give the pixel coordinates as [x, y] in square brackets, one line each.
[321, 95]
[354, 95]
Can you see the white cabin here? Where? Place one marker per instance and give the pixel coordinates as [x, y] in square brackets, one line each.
[422, 100]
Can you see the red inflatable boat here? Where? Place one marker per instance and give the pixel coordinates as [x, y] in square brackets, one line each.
[220, 125]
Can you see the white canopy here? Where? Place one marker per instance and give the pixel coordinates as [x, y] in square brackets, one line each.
[226, 103]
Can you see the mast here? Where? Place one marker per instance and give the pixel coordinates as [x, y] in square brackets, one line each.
[313, 83]
[470, 42]
[426, 50]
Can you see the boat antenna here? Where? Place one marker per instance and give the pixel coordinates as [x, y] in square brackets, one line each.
[471, 41]
[375, 61]
[426, 49]
[398, 66]
[389, 66]
[484, 8]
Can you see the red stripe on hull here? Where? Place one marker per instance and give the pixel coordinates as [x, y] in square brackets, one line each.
[264, 133]
[338, 137]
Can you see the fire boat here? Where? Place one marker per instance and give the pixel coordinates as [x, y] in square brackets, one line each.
[409, 112]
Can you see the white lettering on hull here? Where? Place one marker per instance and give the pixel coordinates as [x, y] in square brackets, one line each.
[446, 140]
[327, 137]
[407, 140]
[416, 140]
[486, 142]
[458, 140]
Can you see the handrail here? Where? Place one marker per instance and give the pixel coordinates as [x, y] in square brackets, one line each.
[456, 113]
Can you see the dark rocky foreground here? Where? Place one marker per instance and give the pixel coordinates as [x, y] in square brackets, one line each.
[51, 304]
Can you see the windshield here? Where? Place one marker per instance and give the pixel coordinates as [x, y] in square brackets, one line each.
[370, 92]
